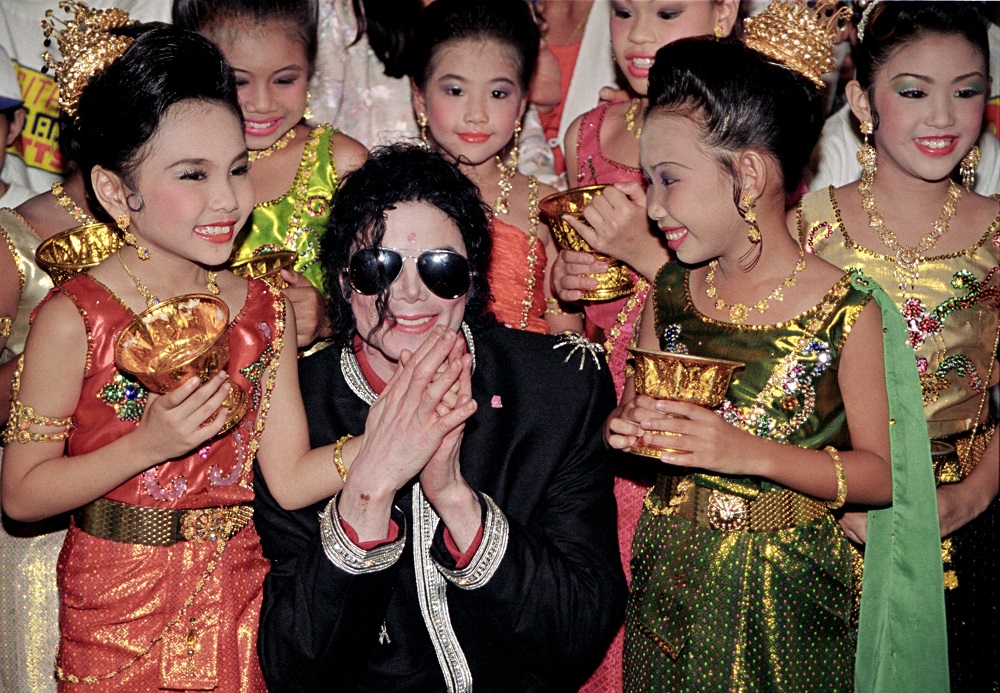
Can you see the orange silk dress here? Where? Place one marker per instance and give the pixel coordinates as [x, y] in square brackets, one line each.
[517, 278]
[180, 617]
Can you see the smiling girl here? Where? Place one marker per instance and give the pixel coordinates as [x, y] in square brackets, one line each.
[742, 578]
[472, 63]
[161, 573]
[934, 245]
[295, 167]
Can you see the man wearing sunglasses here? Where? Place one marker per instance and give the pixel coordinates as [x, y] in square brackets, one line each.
[474, 541]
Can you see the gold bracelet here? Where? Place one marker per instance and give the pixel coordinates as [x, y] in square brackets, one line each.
[838, 465]
[5, 326]
[338, 456]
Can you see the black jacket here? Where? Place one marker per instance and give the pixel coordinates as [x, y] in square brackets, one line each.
[542, 621]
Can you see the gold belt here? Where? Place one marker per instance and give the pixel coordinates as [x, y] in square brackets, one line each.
[955, 456]
[680, 496]
[139, 524]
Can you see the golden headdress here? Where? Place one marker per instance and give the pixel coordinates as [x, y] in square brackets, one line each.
[86, 45]
[796, 35]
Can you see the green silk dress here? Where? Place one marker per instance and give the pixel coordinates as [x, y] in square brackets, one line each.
[718, 609]
[297, 219]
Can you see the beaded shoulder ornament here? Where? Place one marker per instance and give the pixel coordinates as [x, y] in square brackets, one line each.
[87, 45]
[798, 36]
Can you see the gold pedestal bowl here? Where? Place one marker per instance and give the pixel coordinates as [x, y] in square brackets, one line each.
[174, 340]
[614, 283]
[266, 266]
[76, 250]
[679, 377]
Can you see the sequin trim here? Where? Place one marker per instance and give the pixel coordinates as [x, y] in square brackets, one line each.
[15, 255]
[345, 555]
[492, 549]
[356, 380]
[151, 482]
[433, 597]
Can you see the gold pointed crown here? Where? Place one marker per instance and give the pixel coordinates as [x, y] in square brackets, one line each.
[796, 35]
[86, 45]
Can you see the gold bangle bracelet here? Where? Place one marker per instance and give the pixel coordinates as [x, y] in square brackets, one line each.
[838, 465]
[338, 456]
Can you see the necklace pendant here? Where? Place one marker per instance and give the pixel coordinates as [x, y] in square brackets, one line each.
[738, 313]
[907, 258]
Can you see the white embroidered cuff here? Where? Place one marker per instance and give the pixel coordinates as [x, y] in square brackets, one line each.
[496, 532]
[345, 555]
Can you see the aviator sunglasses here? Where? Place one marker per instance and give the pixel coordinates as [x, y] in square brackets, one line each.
[445, 272]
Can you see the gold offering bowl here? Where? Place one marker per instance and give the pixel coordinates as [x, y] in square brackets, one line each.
[266, 266]
[179, 338]
[616, 281]
[679, 377]
[76, 250]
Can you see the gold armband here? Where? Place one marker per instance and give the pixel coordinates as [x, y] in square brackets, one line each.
[838, 465]
[22, 417]
[338, 456]
[5, 325]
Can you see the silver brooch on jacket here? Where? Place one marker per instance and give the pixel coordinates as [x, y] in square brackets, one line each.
[578, 343]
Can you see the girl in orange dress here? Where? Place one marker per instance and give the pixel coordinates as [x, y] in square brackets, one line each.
[471, 67]
[160, 576]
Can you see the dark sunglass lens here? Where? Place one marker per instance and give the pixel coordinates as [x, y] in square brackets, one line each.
[445, 273]
[373, 270]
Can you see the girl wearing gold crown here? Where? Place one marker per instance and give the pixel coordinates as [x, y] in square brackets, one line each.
[161, 572]
[913, 224]
[296, 167]
[742, 578]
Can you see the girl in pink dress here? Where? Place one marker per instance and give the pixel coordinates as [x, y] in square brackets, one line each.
[602, 147]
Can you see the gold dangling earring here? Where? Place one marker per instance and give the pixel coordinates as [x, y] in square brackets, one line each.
[123, 221]
[422, 122]
[750, 217]
[867, 156]
[968, 167]
[514, 151]
[308, 113]
[718, 32]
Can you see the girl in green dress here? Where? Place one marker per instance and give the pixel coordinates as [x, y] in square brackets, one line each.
[295, 167]
[742, 577]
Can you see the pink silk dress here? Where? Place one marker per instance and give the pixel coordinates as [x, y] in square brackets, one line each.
[594, 167]
[183, 616]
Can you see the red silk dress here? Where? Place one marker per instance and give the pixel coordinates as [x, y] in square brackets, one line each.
[594, 167]
[182, 616]
[517, 278]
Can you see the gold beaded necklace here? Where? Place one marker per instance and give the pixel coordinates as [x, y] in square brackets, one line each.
[738, 312]
[281, 143]
[211, 285]
[630, 125]
[907, 257]
[67, 203]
